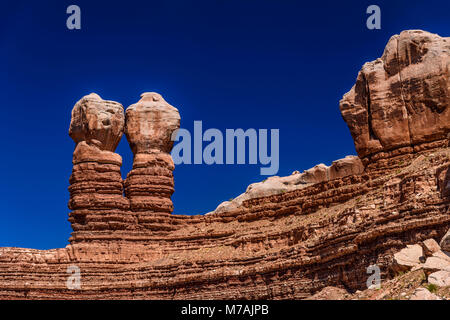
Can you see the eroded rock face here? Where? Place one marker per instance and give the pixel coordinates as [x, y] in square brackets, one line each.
[403, 98]
[285, 246]
[97, 122]
[348, 166]
[332, 224]
[96, 187]
[150, 124]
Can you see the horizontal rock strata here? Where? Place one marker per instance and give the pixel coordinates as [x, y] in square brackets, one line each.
[149, 128]
[288, 245]
[96, 186]
[279, 247]
[348, 166]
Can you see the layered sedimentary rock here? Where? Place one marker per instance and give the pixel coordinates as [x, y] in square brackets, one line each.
[96, 187]
[149, 128]
[341, 168]
[106, 208]
[420, 266]
[291, 244]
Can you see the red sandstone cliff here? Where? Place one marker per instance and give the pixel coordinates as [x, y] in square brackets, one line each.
[325, 228]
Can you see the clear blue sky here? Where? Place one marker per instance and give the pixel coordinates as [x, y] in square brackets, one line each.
[232, 64]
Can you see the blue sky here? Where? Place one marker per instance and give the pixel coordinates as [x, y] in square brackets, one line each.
[232, 64]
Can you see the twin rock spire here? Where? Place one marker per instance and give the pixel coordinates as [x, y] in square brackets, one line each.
[103, 205]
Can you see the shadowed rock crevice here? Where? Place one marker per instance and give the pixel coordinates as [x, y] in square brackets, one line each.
[372, 135]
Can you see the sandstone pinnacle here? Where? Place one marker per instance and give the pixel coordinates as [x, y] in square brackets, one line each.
[149, 126]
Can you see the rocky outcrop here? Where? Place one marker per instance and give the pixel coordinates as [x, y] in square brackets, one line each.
[149, 127]
[413, 281]
[289, 237]
[350, 165]
[103, 205]
[401, 100]
[96, 188]
[436, 265]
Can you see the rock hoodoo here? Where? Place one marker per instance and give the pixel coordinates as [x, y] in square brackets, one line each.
[96, 188]
[284, 238]
[104, 206]
[150, 124]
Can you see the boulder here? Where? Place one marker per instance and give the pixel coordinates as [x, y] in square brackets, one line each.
[350, 165]
[430, 246]
[424, 294]
[438, 261]
[440, 278]
[316, 174]
[96, 181]
[408, 258]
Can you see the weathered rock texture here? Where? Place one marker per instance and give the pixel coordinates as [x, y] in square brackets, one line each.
[402, 100]
[445, 242]
[341, 168]
[106, 208]
[96, 187]
[149, 128]
[277, 246]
